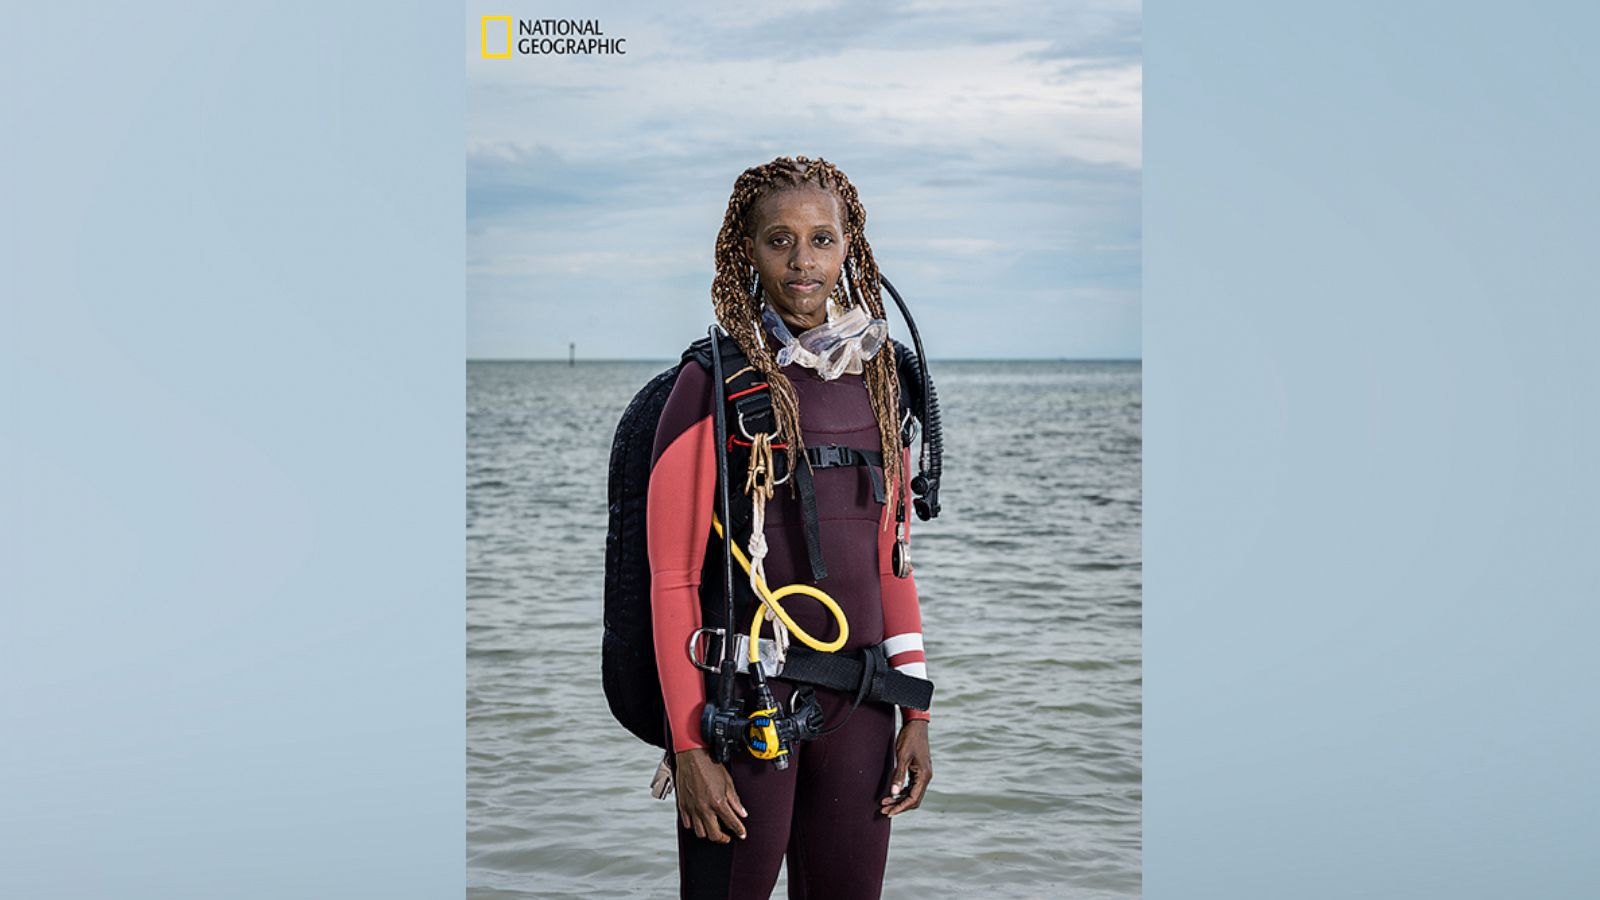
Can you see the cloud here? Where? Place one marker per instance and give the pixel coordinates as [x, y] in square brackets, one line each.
[997, 153]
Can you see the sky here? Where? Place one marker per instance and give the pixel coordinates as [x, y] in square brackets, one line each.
[996, 149]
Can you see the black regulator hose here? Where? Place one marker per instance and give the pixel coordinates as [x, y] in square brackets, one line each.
[931, 462]
[926, 483]
[719, 722]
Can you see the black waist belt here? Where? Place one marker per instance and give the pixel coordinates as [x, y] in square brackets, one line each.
[866, 673]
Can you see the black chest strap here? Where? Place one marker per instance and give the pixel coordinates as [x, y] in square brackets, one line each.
[831, 456]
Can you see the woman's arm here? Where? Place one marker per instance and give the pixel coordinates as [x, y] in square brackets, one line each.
[902, 614]
[683, 477]
[902, 629]
[682, 483]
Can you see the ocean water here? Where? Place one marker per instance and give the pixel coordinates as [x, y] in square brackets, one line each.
[1030, 593]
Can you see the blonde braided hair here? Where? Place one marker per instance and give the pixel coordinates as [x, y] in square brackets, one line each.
[738, 310]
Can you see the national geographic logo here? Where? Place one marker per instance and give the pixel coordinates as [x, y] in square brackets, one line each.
[504, 37]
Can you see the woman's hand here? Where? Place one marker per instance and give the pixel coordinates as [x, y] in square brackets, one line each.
[911, 757]
[707, 801]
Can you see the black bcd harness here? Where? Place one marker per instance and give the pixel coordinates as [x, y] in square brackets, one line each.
[629, 674]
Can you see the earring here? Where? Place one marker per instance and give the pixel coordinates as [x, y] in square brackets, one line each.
[838, 301]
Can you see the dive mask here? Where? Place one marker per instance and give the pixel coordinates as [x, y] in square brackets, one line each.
[840, 345]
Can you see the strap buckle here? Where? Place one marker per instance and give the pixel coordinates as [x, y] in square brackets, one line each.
[829, 455]
[704, 640]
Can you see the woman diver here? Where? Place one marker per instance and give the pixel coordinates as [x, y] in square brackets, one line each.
[797, 290]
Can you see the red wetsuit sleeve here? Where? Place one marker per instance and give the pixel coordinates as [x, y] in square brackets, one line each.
[902, 615]
[678, 518]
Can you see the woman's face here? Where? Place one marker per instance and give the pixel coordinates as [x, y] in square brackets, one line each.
[797, 245]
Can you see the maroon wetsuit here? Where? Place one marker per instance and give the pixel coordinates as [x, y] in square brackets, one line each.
[823, 810]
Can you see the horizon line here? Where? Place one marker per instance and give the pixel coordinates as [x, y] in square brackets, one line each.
[664, 359]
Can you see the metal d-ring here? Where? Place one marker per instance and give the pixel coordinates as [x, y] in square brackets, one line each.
[752, 439]
[908, 427]
[694, 640]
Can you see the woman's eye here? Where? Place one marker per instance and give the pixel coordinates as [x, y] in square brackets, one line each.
[824, 239]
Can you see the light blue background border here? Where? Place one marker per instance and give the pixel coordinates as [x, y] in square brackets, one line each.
[1371, 509]
[233, 449]
[232, 446]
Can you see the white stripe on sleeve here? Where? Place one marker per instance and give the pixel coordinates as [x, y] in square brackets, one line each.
[915, 670]
[900, 643]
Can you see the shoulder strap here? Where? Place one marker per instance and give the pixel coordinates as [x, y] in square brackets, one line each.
[750, 413]
[700, 352]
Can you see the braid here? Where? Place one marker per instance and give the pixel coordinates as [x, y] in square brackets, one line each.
[738, 308]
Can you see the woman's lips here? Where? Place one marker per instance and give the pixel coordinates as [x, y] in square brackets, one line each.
[803, 287]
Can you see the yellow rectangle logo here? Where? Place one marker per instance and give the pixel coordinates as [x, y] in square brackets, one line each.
[486, 53]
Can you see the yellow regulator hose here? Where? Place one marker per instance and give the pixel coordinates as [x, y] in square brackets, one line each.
[771, 598]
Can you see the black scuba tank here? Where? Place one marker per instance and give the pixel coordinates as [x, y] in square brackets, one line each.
[627, 650]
